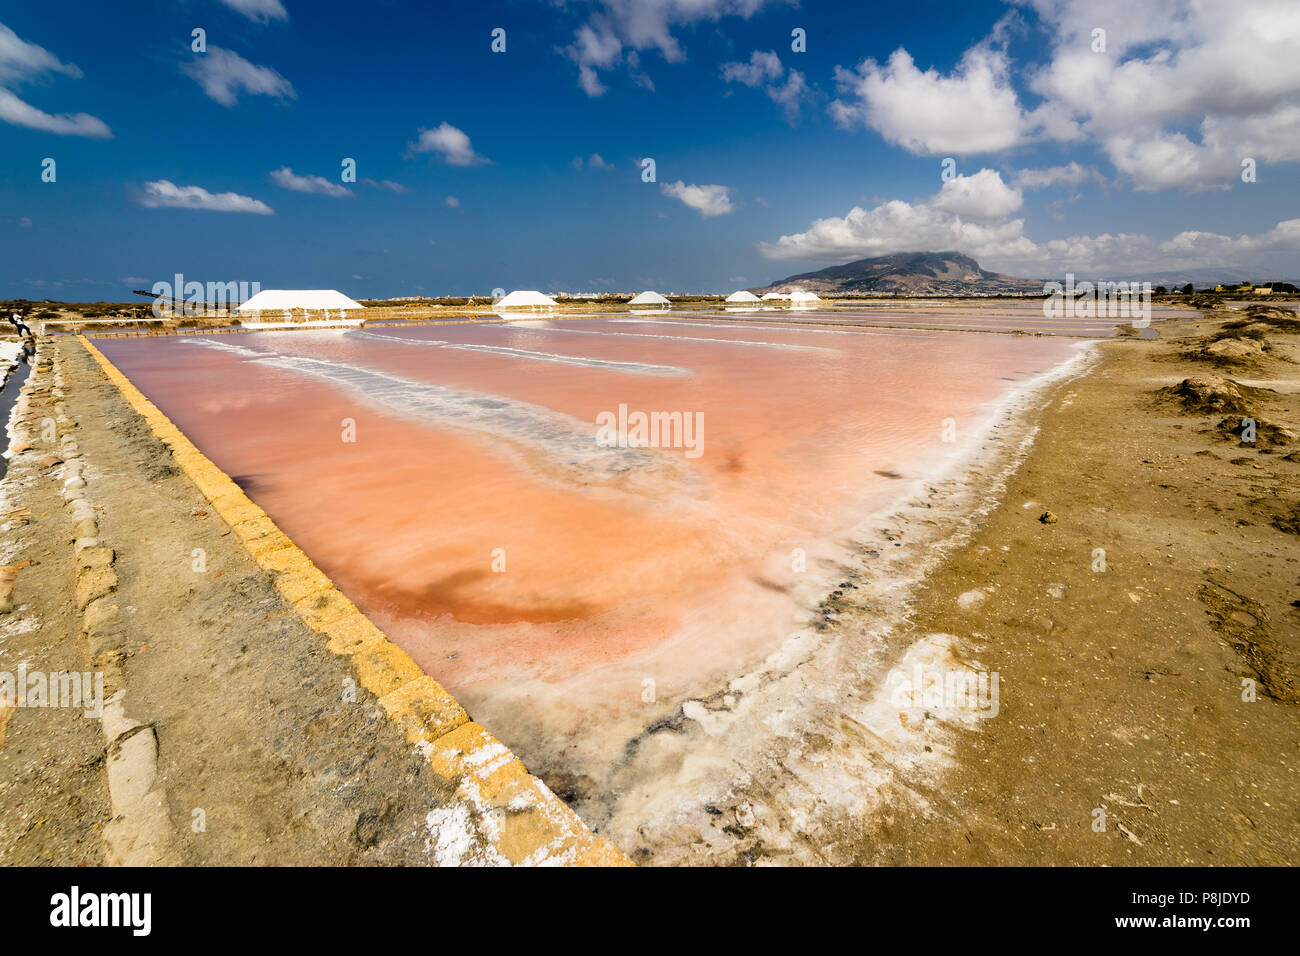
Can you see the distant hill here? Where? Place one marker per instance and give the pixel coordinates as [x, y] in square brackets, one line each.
[908, 273]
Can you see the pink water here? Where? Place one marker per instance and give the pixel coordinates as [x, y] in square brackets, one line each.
[550, 583]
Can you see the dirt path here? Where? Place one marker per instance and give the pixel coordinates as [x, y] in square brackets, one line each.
[54, 798]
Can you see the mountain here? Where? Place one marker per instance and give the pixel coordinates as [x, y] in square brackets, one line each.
[907, 273]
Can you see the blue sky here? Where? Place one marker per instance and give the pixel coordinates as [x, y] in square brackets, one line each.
[1112, 162]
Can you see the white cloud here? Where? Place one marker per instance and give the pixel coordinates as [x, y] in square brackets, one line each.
[451, 202]
[260, 11]
[385, 184]
[971, 110]
[983, 196]
[940, 224]
[790, 95]
[15, 111]
[763, 67]
[618, 29]
[589, 80]
[1182, 93]
[897, 226]
[224, 74]
[1071, 174]
[450, 144]
[164, 193]
[595, 161]
[708, 201]
[763, 70]
[288, 179]
[21, 62]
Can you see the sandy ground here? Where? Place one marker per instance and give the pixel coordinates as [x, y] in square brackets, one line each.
[1122, 689]
[1158, 694]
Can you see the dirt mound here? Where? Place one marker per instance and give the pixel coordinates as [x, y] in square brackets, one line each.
[1210, 394]
[1275, 317]
[1267, 433]
[1244, 341]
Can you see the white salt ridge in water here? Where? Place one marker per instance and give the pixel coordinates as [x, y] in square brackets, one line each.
[770, 327]
[692, 338]
[634, 368]
[566, 442]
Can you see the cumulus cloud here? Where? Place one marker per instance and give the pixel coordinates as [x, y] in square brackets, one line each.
[451, 202]
[259, 11]
[619, 30]
[971, 110]
[982, 196]
[944, 222]
[224, 74]
[21, 62]
[708, 201]
[288, 179]
[764, 70]
[450, 144]
[164, 193]
[1181, 94]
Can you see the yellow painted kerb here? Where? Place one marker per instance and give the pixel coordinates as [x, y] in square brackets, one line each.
[535, 826]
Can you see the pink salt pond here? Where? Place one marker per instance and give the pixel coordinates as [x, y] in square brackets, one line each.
[491, 496]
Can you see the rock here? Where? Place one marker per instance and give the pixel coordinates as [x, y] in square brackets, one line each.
[49, 461]
[1236, 348]
[970, 599]
[1048, 518]
[1210, 393]
[76, 481]
[95, 558]
[1266, 432]
[1057, 591]
[94, 583]
[99, 613]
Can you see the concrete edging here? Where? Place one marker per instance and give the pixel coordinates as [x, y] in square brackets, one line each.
[530, 824]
